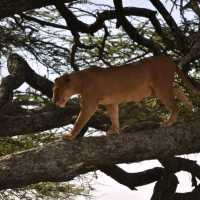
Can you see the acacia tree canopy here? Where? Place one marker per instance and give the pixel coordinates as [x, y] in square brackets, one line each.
[69, 36]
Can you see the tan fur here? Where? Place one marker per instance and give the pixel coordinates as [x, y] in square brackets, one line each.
[111, 86]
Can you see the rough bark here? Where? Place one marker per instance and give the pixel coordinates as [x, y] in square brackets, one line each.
[63, 160]
[21, 72]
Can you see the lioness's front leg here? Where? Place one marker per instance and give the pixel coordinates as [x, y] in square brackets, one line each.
[113, 112]
[87, 110]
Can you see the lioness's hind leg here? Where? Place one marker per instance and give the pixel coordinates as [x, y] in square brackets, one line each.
[183, 98]
[167, 98]
[113, 112]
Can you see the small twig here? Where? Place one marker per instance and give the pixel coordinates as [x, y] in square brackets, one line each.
[42, 23]
[72, 57]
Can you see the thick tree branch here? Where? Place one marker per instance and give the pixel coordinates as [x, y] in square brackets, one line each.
[178, 164]
[21, 72]
[12, 81]
[63, 160]
[10, 7]
[48, 118]
[26, 123]
[133, 180]
[8, 84]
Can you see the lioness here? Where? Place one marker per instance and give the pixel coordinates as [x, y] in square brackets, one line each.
[110, 86]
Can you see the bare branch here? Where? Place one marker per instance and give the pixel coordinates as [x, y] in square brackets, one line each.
[178, 35]
[131, 31]
[43, 23]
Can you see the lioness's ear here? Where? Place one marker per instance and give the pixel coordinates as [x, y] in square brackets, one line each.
[62, 79]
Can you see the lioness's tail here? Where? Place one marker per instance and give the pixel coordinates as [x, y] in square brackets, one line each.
[187, 81]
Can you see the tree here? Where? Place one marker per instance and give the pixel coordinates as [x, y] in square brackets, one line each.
[57, 37]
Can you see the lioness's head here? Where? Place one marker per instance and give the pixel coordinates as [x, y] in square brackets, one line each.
[62, 90]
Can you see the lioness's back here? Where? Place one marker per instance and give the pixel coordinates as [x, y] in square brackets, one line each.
[128, 82]
[149, 68]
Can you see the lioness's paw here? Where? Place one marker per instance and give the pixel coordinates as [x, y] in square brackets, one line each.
[111, 132]
[167, 123]
[68, 136]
